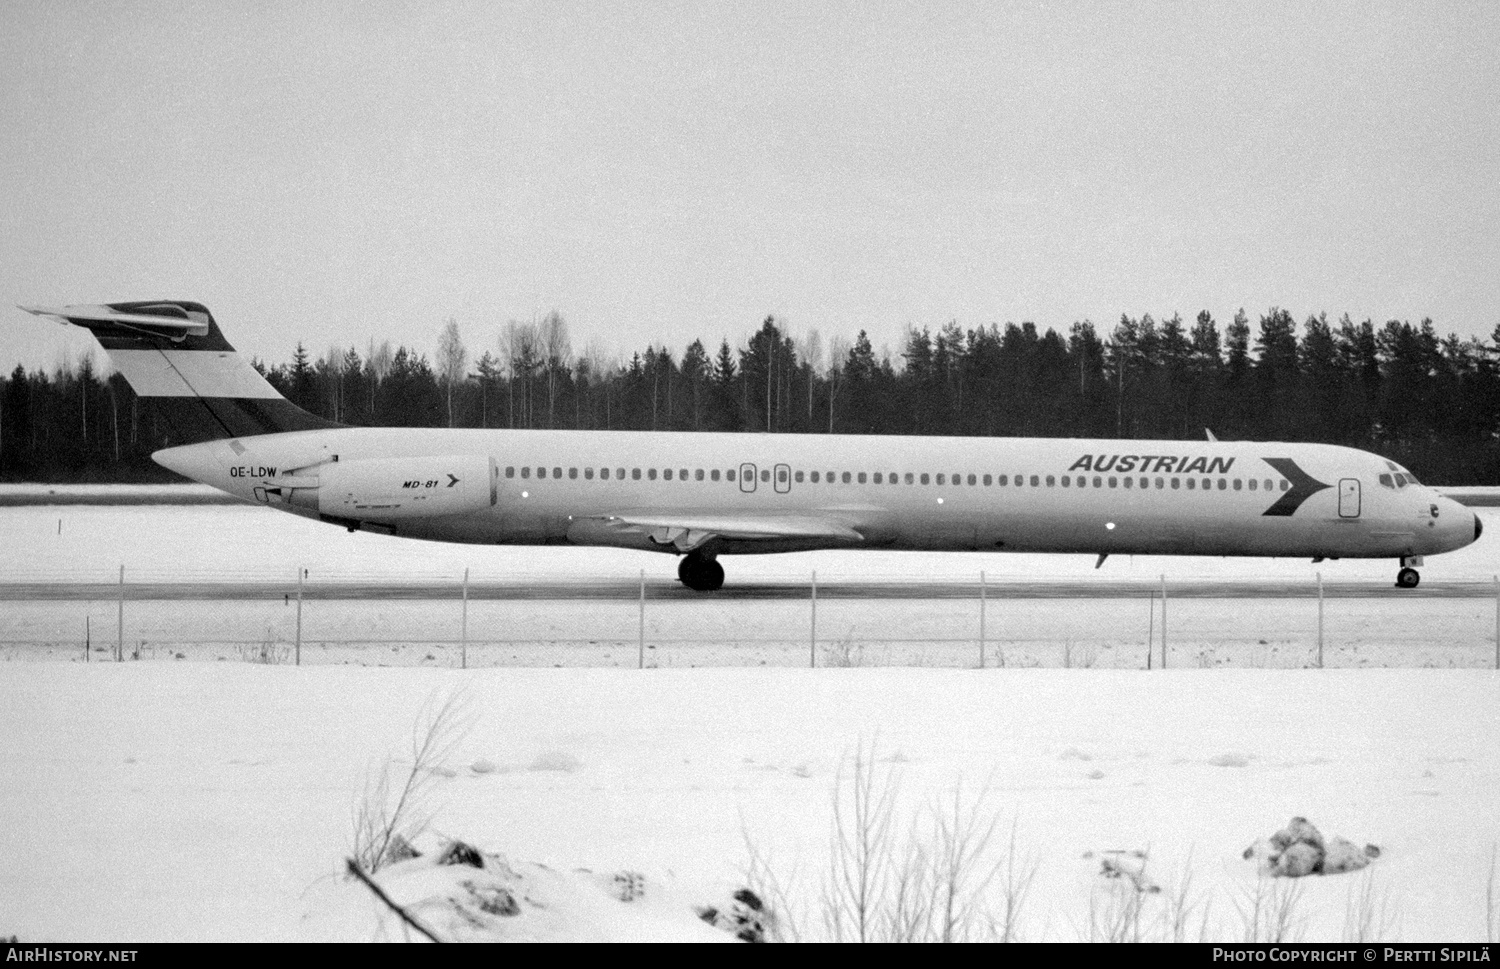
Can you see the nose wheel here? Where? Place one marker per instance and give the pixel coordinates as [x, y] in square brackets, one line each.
[700, 573]
[1407, 578]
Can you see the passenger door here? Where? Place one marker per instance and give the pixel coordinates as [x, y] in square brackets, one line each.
[747, 477]
[783, 479]
[1348, 497]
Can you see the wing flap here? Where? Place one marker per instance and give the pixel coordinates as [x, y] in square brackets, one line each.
[688, 531]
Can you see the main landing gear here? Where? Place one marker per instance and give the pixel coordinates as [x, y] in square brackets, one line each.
[1408, 578]
[700, 573]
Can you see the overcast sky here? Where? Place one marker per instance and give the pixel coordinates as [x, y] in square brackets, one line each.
[662, 171]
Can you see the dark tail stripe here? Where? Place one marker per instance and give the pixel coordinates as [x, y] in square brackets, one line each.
[1304, 486]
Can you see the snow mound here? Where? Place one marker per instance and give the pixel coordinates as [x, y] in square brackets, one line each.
[1299, 849]
[555, 760]
[459, 893]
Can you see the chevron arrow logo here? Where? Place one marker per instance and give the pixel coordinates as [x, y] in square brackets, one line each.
[1304, 486]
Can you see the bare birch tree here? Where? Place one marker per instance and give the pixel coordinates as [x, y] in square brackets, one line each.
[453, 360]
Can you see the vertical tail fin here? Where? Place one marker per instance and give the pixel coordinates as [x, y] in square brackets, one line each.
[172, 352]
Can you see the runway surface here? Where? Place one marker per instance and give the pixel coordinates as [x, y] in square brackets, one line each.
[607, 590]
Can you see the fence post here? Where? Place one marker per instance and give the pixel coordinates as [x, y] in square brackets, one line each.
[1164, 620]
[981, 620]
[1320, 620]
[813, 645]
[1150, 630]
[641, 660]
[463, 647]
[120, 620]
[299, 615]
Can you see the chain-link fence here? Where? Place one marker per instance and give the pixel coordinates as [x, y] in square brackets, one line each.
[456, 623]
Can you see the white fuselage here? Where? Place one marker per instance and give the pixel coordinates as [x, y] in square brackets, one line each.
[1010, 494]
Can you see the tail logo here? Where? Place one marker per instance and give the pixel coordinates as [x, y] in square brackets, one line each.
[1304, 486]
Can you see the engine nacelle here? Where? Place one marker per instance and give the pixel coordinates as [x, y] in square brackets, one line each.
[393, 489]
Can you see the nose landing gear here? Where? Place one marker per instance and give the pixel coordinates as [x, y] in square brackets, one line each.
[1408, 578]
[700, 573]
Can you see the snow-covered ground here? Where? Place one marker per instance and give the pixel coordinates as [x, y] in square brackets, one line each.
[215, 800]
[84, 543]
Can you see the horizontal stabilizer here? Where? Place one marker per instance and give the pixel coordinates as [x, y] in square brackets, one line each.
[149, 319]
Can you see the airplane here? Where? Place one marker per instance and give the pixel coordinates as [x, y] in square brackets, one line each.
[701, 496]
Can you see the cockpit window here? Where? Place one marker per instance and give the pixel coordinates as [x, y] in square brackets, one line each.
[1387, 481]
[1400, 480]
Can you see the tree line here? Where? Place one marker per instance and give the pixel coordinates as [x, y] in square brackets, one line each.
[1398, 389]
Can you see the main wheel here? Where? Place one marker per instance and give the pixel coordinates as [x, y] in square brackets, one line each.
[1407, 579]
[700, 574]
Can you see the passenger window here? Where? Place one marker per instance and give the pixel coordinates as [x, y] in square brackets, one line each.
[909, 477]
[1223, 484]
[1175, 483]
[1051, 481]
[667, 474]
[814, 477]
[1237, 484]
[1270, 485]
[781, 475]
[973, 480]
[541, 472]
[1066, 481]
[1254, 483]
[861, 477]
[1129, 482]
[510, 472]
[729, 475]
[620, 473]
[1160, 484]
[604, 474]
[1192, 483]
[1113, 482]
[1002, 480]
[987, 481]
[573, 474]
[1286, 485]
[526, 472]
[588, 474]
[651, 474]
[798, 477]
[635, 474]
[765, 476]
[1098, 481]
[698, 475]
[1034, 481]
[1208, 484]
[878, 478]
[895, 478]
[924, 479]
[942, 479]
[714, 474]
[846, 477]
[557, 472]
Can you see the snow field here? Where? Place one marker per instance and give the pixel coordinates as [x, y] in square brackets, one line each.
[214, 801]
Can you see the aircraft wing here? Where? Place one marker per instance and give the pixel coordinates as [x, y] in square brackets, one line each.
[689, 530]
